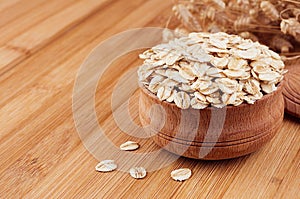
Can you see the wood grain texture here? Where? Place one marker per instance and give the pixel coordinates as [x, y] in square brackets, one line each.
[8, 56]
[35, 37]
[41, 154]
[32, 17]
[292, 90]
[11, 10]
[45, 31]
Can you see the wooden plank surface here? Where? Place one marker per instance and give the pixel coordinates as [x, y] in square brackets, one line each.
[30, 18]
[41, 154]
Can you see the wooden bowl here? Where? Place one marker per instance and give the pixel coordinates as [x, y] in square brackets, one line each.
[246, 128]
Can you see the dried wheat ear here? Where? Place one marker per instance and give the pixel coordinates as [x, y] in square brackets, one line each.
[204, 69]
[275, 22]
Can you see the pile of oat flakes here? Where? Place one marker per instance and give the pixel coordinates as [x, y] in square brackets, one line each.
[204, 69]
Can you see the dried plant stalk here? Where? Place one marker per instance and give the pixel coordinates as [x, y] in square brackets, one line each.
[281, 44]
[291, 26]
[186, 17]
[248, 35]
[275, 23]
[269, 10]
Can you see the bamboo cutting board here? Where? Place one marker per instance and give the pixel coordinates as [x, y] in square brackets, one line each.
[43, 44]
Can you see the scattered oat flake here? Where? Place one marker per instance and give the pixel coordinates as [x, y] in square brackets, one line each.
[138, 172]
[199, 69]
[236, 64]
[220, 62]
[245, 46]
[248, 54]
[218, 42]
[268, 88]
[234, 73]
[187, 73]
[106, 166]
[200, 96]
[174, 75]
[181, 174]
[198, 104]
[268, 76]
[182, 100]
[129, 146]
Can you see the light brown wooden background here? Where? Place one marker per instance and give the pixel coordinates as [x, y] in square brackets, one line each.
[42, 44]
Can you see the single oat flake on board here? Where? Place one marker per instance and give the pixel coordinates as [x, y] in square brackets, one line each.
[181, 174]
[205, 69]
[138, 172]
[129, 146]
[106, 166]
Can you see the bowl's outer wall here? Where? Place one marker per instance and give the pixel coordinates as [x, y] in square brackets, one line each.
[246, 129]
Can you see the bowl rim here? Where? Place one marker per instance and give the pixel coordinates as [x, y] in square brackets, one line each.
[265, 97]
